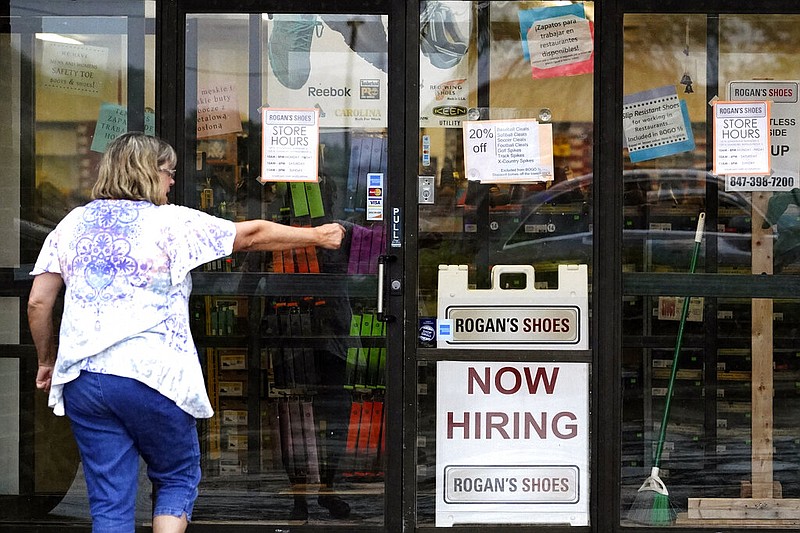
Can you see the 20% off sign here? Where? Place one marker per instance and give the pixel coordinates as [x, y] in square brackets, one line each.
[508, 151]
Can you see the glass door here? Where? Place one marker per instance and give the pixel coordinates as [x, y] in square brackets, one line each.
[75, 75]
[505, 185]
[287, 121]
[709, 363]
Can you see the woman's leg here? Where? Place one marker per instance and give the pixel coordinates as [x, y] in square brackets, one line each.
[110, 459]
[169, 524]
[166, 438]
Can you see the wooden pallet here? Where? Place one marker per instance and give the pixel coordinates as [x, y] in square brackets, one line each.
[737, 509]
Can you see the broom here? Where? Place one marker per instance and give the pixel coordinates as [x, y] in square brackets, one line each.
[652, 506]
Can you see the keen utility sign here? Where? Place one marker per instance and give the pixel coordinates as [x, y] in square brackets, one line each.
[521, 317]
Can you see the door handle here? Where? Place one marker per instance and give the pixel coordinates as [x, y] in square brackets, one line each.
[382, 261]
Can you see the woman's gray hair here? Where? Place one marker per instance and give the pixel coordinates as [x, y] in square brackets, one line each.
[129, 168]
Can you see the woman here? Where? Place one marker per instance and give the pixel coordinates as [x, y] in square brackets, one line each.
[126, 373]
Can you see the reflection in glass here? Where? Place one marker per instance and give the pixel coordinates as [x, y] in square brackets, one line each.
[475, 64]
[70, 83]
[295, 356]
[736, 357]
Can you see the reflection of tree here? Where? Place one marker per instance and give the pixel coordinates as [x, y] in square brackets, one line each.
[660, 49]
[771, 38]
[757, 33]
[658, 42]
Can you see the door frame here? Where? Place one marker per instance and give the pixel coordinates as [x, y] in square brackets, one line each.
[170, 90]
[609, 283]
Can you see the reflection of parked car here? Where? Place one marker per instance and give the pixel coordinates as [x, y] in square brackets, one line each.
[661, 208]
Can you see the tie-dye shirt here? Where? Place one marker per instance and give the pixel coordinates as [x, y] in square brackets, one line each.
[126, 266]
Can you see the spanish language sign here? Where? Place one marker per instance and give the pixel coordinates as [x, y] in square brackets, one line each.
[656, 124]
[741, 138]
[508, 151]
[784, 134]
[112, 122]
[558, 41]
[512, 443]
[289, 144]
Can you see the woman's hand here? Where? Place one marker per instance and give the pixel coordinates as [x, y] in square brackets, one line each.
[330, 235]
[44, 377]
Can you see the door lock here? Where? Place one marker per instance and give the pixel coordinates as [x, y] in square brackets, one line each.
[426, 186]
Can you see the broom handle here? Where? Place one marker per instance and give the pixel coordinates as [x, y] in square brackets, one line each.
[698, 237]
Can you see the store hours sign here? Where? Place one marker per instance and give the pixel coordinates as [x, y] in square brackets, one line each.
[784, 134]
[512, 443]
[741, 138]
[289, 145]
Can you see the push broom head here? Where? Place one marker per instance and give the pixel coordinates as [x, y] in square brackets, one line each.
[652, 506]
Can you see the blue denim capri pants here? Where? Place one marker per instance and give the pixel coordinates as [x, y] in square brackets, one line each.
[116, 419]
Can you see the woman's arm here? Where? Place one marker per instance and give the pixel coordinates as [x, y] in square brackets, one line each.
[263, 235]
[41, 302]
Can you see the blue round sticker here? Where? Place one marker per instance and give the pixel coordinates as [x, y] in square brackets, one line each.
[427, 333]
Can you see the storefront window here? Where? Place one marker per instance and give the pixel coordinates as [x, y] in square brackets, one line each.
[504, 182]
[293, 344]
[518, 220]
[498, 240]
[74, 76]
[709, 383]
